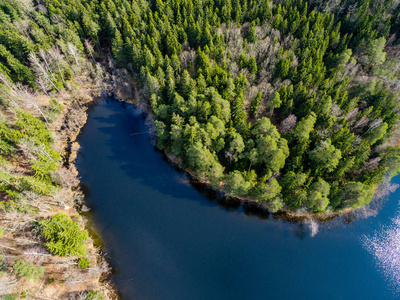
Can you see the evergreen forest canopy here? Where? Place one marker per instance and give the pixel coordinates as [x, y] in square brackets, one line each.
[289, 103]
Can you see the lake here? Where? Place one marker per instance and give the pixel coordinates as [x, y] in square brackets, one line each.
[167, 239]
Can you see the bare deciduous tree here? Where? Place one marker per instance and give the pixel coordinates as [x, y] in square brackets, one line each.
[31, 149]
[34, 199]
[335, 110]
[361, 123]
[351, 115]
[188, 59]
[21, 94]
[288, 124]
[370, 165]
[40, 70]
[23, 27]
[43, 85]
[6, 284]
[57, 58]
[75, 53]
[102, 268]
[36, 254]
[373, 124]
[44, 57]
[26, 5]
[89, 48]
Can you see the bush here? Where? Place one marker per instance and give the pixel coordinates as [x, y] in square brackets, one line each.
[8, 139]
[34, 184]
[64, 236]
[33, 127]
[97, 295]
[1, 232]
[83, 263]
[10, 297]
[31, 271]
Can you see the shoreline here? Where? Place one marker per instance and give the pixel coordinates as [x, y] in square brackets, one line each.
[250, 206]
[229, 200]
[255, 207]
[71, 149]
[62, 278]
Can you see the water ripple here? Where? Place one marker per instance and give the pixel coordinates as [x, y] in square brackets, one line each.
[384, 245]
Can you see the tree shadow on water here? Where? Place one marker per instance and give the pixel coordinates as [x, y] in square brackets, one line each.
[131, 150]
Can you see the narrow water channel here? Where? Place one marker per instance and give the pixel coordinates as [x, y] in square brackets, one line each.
[168, 240]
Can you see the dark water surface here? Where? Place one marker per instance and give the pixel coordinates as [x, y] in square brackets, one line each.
[167, 240]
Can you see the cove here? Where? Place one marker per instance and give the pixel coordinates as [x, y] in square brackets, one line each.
[167, 239]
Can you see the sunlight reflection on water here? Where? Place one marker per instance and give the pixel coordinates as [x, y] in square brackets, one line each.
[384, 245]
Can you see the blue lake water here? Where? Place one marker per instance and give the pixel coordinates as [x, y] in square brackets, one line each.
[167, 239]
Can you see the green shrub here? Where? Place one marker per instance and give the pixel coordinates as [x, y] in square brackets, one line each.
[42, 168]
[64, 236]
[83, 263]
[31, 271]
[33, 127]
[97, 295]
[34, 184]
[12, 194]
[1, 232]
[8, 139]
[10, 297]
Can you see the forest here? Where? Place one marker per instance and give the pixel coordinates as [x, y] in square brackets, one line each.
[290, 104]
[293, 104]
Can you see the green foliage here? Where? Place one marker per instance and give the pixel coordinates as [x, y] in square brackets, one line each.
[1, 232]
[375, 53]
[30, 271]
[318, 196]
[33, 127]
[271, 149]
[255, 103]
[377, 133]
[267, 189]
[96, 295]
[211, 88]
[10, 297]
[356, 194]
[304, 127]
[35, 184]
[275, 101]
[43, 167]
[16, 206]
[239, 184]
[9, 139]
[275, 204]
[392, 160]
[325, 156]
[63, 235]
[83, 263]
